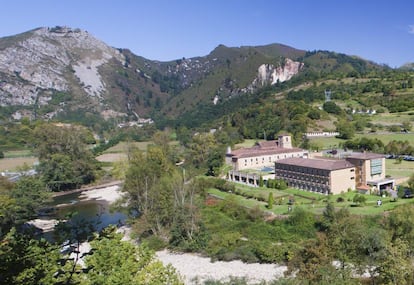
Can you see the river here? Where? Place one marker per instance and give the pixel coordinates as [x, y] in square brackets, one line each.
[88, 207]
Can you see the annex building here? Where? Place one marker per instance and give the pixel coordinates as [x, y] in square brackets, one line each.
[362, 171]
[263, 154]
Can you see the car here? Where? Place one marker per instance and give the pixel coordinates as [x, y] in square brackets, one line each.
[408, 194]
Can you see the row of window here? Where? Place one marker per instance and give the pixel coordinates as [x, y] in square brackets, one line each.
[308, 187]
[303, 170]
[305, 179]
[270, 158]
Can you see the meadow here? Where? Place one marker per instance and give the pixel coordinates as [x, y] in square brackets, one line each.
[251, 197]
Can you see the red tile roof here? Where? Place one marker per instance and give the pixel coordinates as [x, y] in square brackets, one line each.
[262, 148]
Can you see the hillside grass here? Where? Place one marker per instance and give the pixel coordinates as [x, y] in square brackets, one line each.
[333, 142]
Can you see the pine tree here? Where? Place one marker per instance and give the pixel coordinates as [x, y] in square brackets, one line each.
[270, 201]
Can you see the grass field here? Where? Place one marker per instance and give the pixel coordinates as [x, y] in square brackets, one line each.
[112, 157]
[123, 147]
[246, 143]
[18, 153]
[397, 170]
[392, 118]
[332, 142]
[313, 202]
[13, 164]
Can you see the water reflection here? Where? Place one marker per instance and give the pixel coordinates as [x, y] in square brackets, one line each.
[91, 211]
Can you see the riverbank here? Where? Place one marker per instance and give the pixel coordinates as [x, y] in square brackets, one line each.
[107, 193]
[88, 188]
[196, 269]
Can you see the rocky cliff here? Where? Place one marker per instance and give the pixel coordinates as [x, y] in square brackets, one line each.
[270, 74]
[37, 64]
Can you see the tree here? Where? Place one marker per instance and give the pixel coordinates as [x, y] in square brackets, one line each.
[65, 162]
[410, 182]
[270, 201]
[400, 223]
[202, 148]
[331, 107]
[8, 206]
[370, 250]
[30, 195]
[313, 262]
[120, 262]
[147, 188]
[346, 129]
[261, 182]
[396, 266]
[25, 260]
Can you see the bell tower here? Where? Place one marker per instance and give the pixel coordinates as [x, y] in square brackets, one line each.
[285, 141]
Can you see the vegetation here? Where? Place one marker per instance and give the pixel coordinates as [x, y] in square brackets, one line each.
[173, 193]
[65, 162]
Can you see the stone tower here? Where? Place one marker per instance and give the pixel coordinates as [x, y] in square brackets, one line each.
[285, 141]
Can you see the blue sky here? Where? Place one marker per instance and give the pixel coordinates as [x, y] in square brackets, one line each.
[377, 30]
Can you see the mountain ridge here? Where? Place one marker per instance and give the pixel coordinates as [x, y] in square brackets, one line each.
[62, 72]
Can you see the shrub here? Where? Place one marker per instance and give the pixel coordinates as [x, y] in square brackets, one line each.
[340, 200]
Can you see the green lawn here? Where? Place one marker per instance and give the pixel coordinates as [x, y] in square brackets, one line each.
[246, 143]
[391, 118]
[332, 142]
[123, 147]
[398, 170]
[18, 153]
[313, 202]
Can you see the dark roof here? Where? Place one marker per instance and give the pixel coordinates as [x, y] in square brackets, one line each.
[365, 155]
[325, 164]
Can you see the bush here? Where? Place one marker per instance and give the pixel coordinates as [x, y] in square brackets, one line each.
[223, 185]
[359, 199]
[340, 200]
[155, 243]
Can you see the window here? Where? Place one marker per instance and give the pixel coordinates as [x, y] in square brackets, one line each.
[352, 170]
[376, 166]
[352, 178]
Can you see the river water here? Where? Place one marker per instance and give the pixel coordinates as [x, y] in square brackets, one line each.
[81, 209]
[93, 210]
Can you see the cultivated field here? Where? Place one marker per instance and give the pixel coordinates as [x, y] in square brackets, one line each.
[16, 163]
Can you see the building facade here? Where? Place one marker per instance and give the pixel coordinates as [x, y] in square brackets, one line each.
[370, 171]
[362, 171]
[263, 154]
[317, 175]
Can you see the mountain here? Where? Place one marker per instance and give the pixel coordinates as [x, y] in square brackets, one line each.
[408, 66]
[68, 74]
